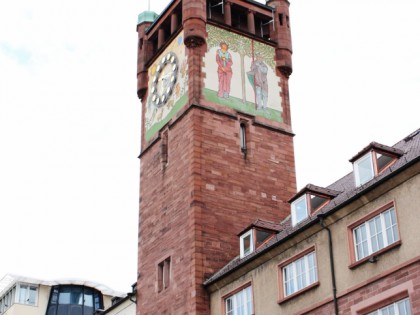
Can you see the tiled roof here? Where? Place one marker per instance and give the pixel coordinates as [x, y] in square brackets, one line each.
[10, 279]
[377, 146]
[262, 224]
[409, 148]
[317, 190]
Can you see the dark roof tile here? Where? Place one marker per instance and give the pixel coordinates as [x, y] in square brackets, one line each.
[316, 190]
[262, 224]
[380, 147]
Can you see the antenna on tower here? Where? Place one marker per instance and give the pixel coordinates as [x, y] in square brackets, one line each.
[148, 6]
[269, 22]
[222, 3]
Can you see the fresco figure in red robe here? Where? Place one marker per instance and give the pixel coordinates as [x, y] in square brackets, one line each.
[224, 70]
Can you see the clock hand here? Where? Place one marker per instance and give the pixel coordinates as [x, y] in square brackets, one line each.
[164, 77]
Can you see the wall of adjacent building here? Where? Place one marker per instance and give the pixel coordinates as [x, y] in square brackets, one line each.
[394, 267]
[42, 303]
[125, 308]
[39, 309]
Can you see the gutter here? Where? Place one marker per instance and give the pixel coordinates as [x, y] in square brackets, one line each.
[330, 247]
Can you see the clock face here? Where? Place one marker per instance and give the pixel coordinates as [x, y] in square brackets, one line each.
[164, 80]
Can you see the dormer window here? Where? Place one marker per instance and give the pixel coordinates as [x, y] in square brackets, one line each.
[372, 161]
[363, 169]
[255, 235]
[299, 210]
[309, 200]
[247, 243]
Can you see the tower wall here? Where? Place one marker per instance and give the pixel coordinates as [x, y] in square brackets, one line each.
[165, 227]
[282, 35]
[193, 208]
[198, 188]
[194, 22]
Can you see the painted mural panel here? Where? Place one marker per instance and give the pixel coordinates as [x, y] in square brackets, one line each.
[168, 84]
[240, 73]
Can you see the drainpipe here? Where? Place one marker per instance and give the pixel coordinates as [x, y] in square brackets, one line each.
[321, 221]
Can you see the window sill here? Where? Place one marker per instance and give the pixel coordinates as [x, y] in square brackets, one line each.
[373, 256]
[291, 296]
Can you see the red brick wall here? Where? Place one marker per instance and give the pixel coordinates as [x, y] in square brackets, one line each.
[194, 209]
[234, 191]
[164, 226]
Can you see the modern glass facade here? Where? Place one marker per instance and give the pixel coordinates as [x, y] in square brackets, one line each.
[74, 300]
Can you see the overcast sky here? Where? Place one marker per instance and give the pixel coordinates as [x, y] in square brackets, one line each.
[70, 119]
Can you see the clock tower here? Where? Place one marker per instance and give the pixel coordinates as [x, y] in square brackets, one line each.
[217, 143]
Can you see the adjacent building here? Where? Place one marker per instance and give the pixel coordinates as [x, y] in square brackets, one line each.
[350, 248]
[26, 296]
[122, 305]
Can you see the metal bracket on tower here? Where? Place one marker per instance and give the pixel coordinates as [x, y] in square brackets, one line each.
[264, 24]
[222, 3]
[271, 21]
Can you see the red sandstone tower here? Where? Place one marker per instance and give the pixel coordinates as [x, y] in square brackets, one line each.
[217, 149]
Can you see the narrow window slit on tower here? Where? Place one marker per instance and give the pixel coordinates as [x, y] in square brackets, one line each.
[164, 149]
[242, 137]
[281, 19]
[164, 269]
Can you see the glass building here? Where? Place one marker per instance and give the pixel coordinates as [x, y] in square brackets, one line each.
[74, 300]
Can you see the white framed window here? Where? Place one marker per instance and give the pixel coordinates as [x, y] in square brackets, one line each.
[375, 234]
[247, 243]
[401, 307]
[240, 303]
[299, 274]
[363, 169]
[370, 165]
[28, 294]
[299, 210]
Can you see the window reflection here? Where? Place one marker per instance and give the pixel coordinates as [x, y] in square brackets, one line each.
[74, 300]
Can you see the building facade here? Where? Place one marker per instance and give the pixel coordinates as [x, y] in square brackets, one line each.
[27, 296]
[217, 143]
[120, 306]
[350, 248]
[222, 229]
